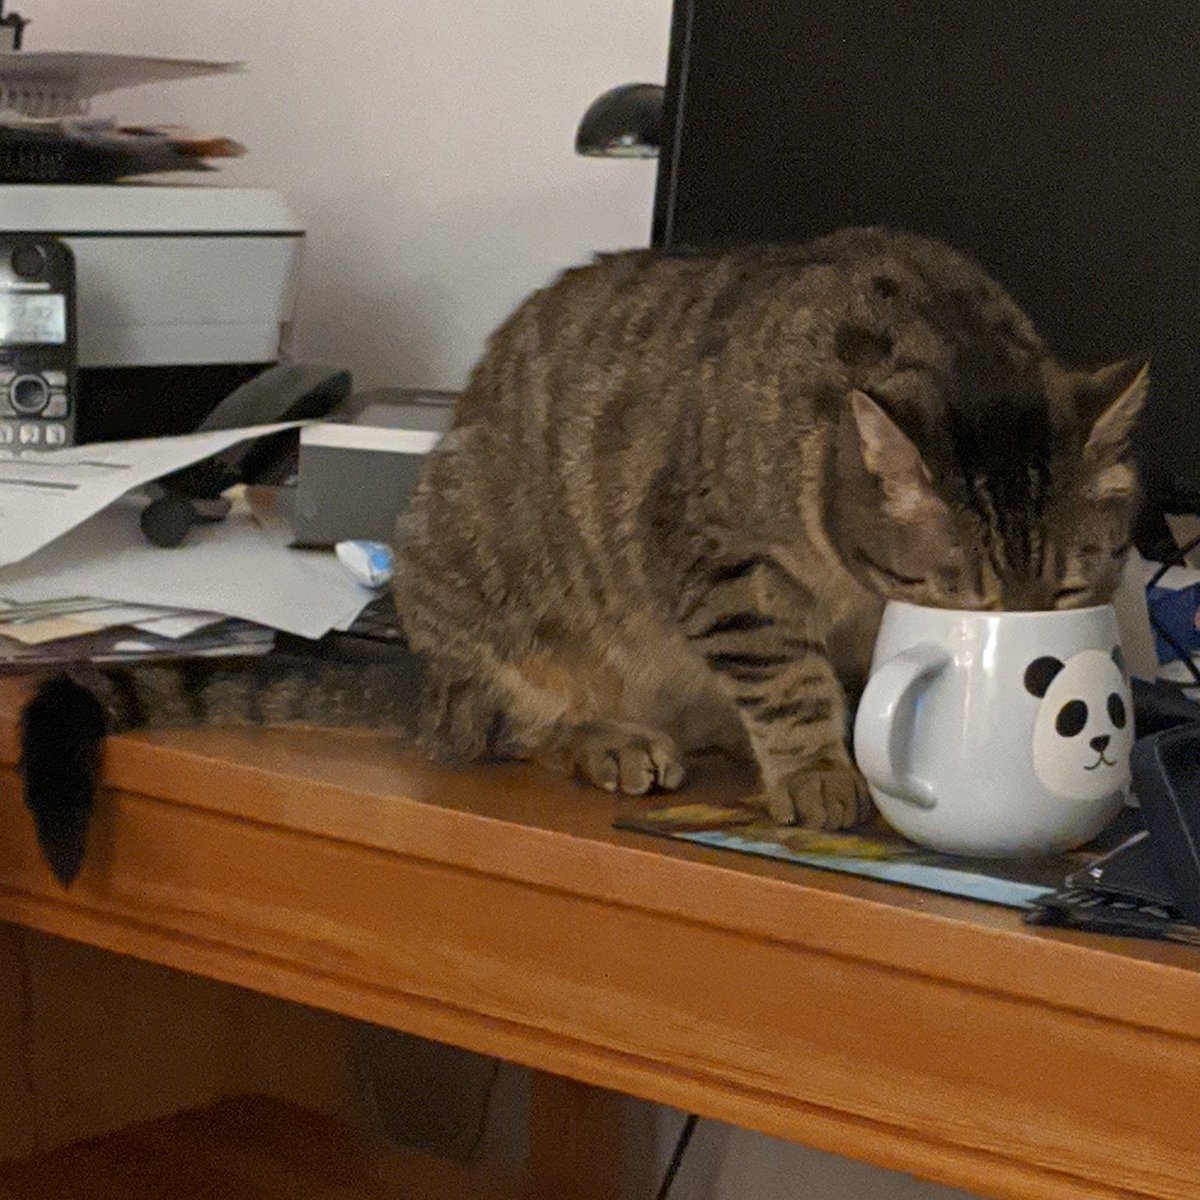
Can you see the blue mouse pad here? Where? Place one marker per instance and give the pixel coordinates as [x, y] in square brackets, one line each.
[875, 852]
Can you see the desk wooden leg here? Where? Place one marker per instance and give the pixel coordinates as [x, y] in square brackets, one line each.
[574, 1140]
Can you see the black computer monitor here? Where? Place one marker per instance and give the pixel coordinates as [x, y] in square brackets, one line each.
[1058, 141]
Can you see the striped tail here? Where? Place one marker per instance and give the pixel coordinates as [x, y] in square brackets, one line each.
[64, 725]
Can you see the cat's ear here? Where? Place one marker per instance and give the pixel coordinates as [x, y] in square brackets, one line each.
[891, 457]
[1114, 398]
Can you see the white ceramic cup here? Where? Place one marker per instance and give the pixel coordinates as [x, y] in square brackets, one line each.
[996, 734]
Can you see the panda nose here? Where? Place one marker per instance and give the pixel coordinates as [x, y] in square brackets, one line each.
[1100, 744]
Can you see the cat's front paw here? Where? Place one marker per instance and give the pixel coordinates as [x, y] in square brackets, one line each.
[823, 795]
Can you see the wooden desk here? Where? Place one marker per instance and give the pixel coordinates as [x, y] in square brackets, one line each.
[497, 910]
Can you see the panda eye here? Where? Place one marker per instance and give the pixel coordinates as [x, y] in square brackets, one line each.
[1071, 719]
[1116, 710]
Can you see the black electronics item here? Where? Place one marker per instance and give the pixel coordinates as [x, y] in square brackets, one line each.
[288, 392]
[1057, 143]
[1133, 871]
[1159, 704]
[1166, 780]
[167, 519]
[37, 343]
[1093, 911]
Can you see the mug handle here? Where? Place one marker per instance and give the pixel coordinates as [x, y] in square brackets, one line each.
[875, 743]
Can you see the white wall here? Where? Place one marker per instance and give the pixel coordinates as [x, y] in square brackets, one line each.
[427, 145]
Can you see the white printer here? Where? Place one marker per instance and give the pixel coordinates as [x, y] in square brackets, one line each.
[182, 293]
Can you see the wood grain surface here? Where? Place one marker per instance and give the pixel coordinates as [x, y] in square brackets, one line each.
[245, 1148]
[496, 909]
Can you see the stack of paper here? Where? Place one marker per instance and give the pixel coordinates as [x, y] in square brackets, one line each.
[37, 622]
[45, 633]
[83, 582]
[43, 495]
[46, 135]
[52, 83]
[239, 567]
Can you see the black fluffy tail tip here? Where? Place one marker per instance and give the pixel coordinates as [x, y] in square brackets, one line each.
[62, 732]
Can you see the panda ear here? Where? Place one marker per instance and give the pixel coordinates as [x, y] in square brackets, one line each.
[1039, 675]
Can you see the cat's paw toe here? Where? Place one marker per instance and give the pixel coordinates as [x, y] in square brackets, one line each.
[632, 761]
[825, 795]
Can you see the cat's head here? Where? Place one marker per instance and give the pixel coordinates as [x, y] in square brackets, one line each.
[1004, 503]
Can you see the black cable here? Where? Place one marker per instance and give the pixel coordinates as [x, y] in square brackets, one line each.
[681, 1145]
[1184, 551]
[484, 1112]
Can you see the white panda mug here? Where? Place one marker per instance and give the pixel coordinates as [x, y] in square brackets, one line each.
[996, 734]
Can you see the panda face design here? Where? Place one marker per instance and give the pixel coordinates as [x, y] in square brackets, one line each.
[1084, 728]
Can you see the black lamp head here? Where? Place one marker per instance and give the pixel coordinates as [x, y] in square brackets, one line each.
[625, 122]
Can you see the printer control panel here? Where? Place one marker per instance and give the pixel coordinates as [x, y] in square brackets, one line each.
[37, 343]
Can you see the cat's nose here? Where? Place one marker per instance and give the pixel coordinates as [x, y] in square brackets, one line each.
[1100, 744]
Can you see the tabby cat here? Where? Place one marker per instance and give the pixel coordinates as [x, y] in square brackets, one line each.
[677, 492]
[679, 489]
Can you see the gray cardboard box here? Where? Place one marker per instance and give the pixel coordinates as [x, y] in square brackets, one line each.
[356, 476]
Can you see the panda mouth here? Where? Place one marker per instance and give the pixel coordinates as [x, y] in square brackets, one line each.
[1101, 762]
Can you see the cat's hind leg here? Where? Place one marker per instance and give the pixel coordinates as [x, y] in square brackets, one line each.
[461, 717]
[617, 756]
[575, 710]
[545, 711]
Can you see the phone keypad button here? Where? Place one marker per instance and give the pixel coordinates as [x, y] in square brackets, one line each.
[56, 435]
[7, 432]
[29, 435]
[56, 407]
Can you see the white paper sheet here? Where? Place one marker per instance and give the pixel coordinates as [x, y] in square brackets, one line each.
[236, 567]
[43, 495]
[36, 631]
[81, 74]
[178, 625]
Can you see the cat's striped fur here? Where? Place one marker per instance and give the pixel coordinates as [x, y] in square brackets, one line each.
[677, 492]
[679, 488]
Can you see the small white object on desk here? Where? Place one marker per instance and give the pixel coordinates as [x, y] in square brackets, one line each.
[371, 563]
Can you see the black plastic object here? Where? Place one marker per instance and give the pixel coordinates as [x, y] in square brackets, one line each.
[1166, 780]
[1134, 871]
[288, 392]
[785, 119]
[39, 342]
[166, 519]
[625, 122]
[118, 404]
[1161, 705]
